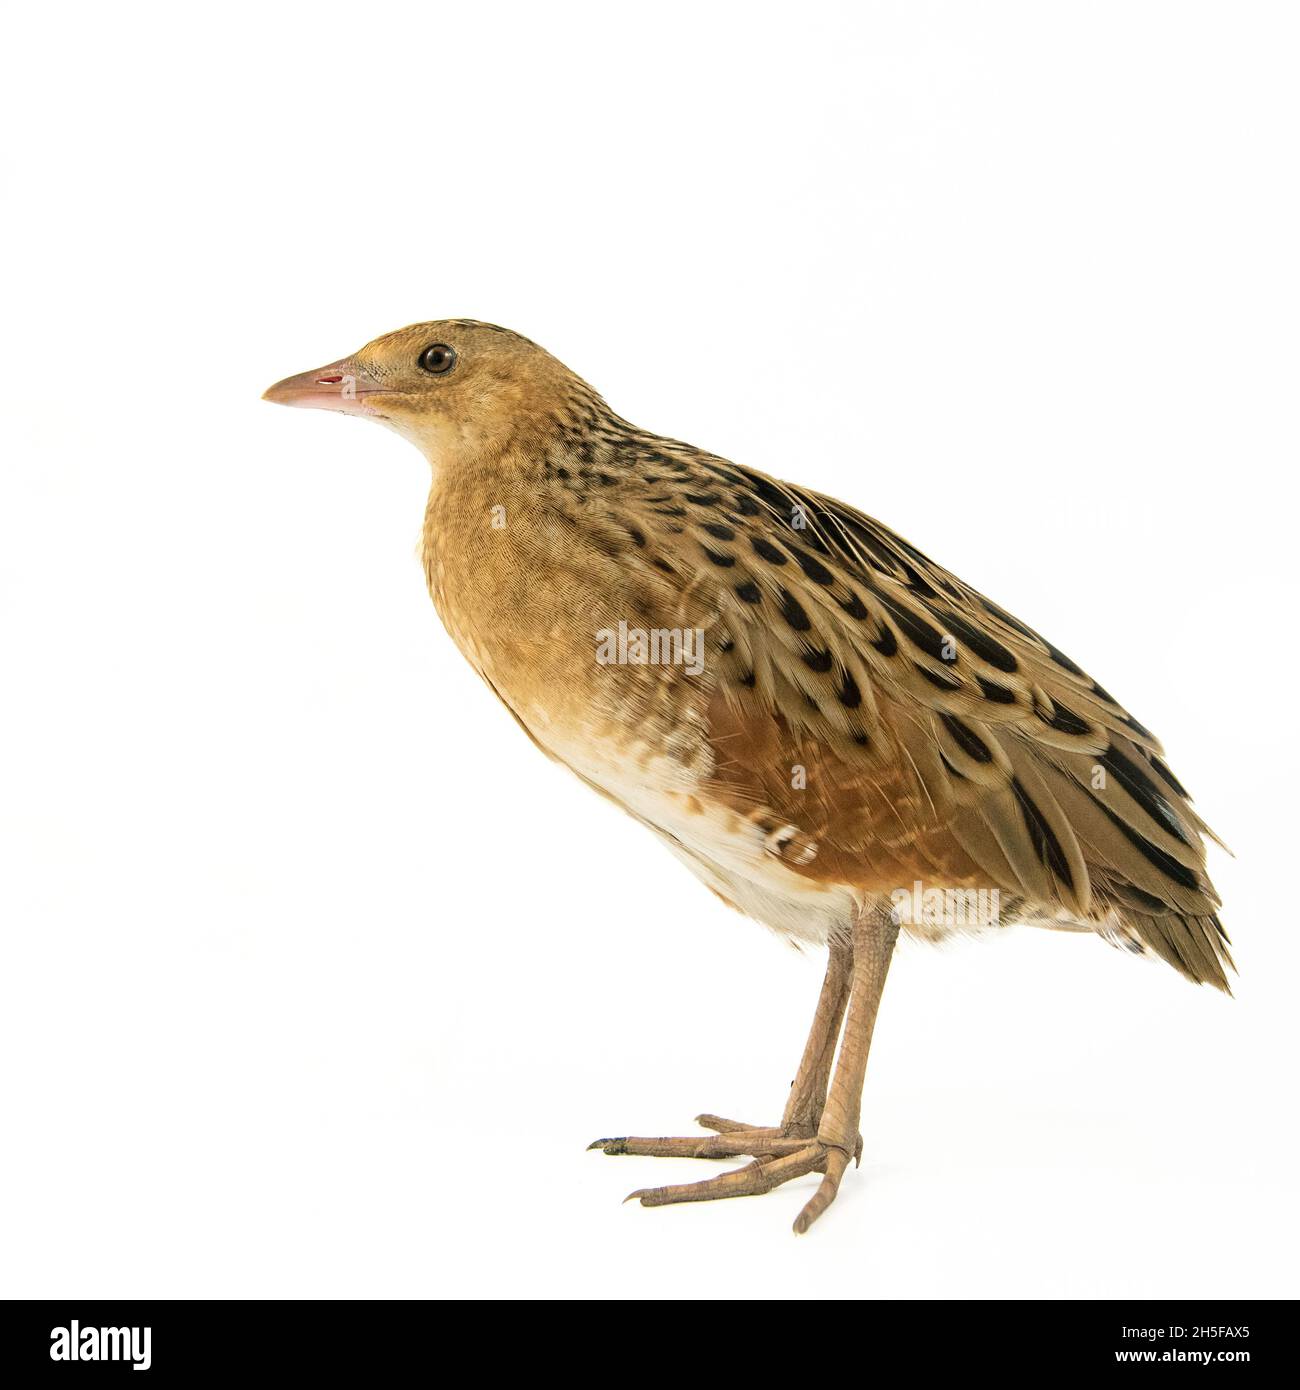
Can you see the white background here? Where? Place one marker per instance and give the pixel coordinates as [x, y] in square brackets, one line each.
[316, 977]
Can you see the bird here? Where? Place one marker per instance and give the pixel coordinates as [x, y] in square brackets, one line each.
[838, 736]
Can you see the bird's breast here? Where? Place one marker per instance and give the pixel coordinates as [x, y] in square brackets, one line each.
[578, 645]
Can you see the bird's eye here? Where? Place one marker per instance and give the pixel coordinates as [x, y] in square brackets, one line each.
[438, 359]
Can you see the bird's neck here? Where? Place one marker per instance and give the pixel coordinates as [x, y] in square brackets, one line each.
[524, 551]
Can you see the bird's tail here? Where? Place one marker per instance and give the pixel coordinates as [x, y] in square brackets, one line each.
[1195, 944]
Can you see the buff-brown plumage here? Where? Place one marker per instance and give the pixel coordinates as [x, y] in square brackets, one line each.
[861, 719]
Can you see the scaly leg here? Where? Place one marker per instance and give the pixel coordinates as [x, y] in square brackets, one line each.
[803, 1110]
[873, 949]
[782, 1156]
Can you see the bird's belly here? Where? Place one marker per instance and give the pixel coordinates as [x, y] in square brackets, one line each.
[725, 849]
[791, 906]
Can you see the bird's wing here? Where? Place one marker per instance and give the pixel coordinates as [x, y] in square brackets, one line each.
[946, 733]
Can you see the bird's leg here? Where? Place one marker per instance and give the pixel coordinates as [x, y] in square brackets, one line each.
[803, 1110]
[780, 1156]
[874, 938]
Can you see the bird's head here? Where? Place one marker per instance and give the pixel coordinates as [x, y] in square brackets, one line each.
[451, 386]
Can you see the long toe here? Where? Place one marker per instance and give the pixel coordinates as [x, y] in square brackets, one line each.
[752, 1142]
[750, 1181]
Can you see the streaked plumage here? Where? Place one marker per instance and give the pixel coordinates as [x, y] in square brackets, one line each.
[862, 720]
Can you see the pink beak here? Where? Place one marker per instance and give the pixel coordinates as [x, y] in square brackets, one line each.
[340, 386]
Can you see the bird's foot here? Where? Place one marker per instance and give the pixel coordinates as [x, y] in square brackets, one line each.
[780, 1153]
